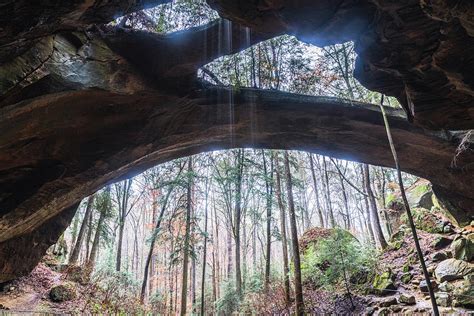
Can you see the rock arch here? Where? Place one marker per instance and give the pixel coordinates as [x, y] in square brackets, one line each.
[82, 107]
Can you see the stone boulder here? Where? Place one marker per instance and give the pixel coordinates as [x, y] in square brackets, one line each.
[406, 277]
[464, 292]
[443, 299]
[452, 269]
[424, 285]
[439, 256]
[311, 237]
[463, 248]
[63, 292]
[77, 274]
[441, 242]
[407, 299]
[420, 194]
[389, 301]
[383, 283]
[426, 220]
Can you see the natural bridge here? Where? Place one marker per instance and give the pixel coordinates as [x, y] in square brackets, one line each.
[83, 104]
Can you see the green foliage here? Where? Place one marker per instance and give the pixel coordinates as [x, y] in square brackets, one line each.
[255, 283]
[341, 255]
[103, 204]
[114, 292]
[229, 300]
[158, 302]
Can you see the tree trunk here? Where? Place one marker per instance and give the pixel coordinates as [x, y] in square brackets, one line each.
[80, 237]
[268, 191]
[153, 240]
[123, 208]
[89, 237]
[184, 283]
[193, 258]
[284, 242]
[347, 222]
[237, 220]
[409, 214]
[204, 255]
[328, 195]
[95, 244]
[294, 238]
[215, 249]
[229, 253]
[373, 208]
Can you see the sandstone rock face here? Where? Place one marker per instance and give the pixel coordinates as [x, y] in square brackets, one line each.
[409, 49]
[18, 256]
[83, 105]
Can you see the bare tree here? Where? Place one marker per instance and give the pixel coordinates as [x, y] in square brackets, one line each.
[294, 238]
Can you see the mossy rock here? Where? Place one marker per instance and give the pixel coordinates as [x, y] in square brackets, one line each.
[440, 242]
[398, 244]
[400, 234]
[464, 293]
[383, 283]
[395, 203]
[425, 220]
[406, 277]
[407, 267]
[77, 274]
[463, 249]
[420, 194]
[63, 292]
[313, 236]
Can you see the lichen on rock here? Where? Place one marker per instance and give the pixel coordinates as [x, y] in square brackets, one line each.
[383, 283]
[63, 292]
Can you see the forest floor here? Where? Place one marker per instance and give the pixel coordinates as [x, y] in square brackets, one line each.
[31, 294]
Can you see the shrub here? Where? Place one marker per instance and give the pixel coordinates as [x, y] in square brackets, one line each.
[229, 301]
[336, 259]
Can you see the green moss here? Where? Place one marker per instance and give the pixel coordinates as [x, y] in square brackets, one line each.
[397, 244]
[406, 277]
[464, 294]
[406, 267]
[390, 198]
[63, 292]
[425, 220]
[383, 283]
[421, 189]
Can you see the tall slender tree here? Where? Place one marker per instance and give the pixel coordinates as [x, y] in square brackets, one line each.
[268, 195]
[204, 254]
[104, 208]
[187, 232]
[80, 237]
[284, 242]
[316, 190]
[237, 220]
[294, 239]
[373, 209]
